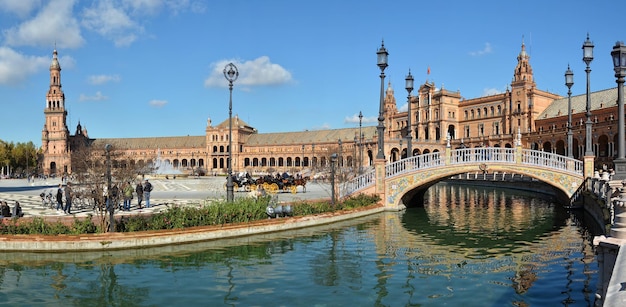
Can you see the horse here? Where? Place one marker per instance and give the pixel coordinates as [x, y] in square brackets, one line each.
[301, 181]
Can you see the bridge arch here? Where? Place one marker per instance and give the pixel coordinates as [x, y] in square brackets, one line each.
[414, 186]
[401, 181]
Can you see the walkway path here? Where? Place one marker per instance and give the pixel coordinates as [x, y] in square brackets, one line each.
[185, 191]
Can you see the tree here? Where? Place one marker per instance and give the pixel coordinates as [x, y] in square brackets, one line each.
[18, 159]
[90, 179]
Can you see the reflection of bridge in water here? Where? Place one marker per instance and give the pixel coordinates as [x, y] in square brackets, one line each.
[474, 230]
[407, 179]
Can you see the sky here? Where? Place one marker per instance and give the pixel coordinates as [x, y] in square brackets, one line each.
[149, 68]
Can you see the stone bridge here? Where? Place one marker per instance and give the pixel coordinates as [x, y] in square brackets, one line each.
[408, 178]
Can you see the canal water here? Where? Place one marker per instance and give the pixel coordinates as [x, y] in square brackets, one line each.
[467, 246]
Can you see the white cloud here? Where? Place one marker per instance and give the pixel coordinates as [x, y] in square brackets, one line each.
[112, 22]
[260, 71]
[491, 91]
[19, 7]
[324, 126]
[54, 24]
[97, 97]
[157, 103]
[16, 67]
[484, 51]
[102, 79]
[354, 119]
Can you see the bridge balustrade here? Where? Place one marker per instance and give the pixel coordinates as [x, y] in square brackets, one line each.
[357, 183]
[424, 161]
[482, 154]
[550, 160]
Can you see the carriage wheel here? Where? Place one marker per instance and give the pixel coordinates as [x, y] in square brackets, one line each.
[274, 187]
[235, 186]
[253, 187]
[294, 189]
[247, 187]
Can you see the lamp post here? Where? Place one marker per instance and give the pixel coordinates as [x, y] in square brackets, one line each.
[231, 73]
[111, 206]
[409, 135]
[400, 152]
[354, 155]
[302, 161]
[313, 155]
[569, 81]
[619, 65]
[382, 64]
[587, 58]
[360, 144]
[333, 160]
[340, 161]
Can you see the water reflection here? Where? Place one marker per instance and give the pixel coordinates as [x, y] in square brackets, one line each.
[466, 246]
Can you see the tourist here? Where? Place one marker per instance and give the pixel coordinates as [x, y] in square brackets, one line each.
[59, 197]
[147, 188]
[68, 198]
[139, 191]
[5, 210]
[128, 195]
[17, 210]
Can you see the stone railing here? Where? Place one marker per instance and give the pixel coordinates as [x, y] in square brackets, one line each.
[357, 183]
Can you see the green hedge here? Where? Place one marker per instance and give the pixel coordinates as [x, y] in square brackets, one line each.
[179, 217]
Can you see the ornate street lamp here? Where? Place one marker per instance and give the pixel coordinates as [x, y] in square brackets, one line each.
[354, 155]
[360, 144]
[313, 156]
[302, 161]
[109, 203]
[569, 81]
[587, 58]
[382, 64]
[333, 161]
[340, 153]
[619, 65]
[231, 73]
[409, 135]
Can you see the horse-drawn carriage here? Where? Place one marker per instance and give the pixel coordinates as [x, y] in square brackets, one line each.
[242, 180]
[271, 184]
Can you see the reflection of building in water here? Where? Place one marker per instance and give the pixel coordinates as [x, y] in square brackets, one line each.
[477, 230]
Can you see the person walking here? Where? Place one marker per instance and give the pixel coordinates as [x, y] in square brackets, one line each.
[147, 188]
[139, 191]
[60, 198]
[128, 195]
[68, 198]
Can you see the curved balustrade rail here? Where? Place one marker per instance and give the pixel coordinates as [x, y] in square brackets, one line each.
[357, 183]
[550, 160]
[483, 154]
[413, 163]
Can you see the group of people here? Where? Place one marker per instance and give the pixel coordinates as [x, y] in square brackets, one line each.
[67, 193]
[142, 191]
[5, 210]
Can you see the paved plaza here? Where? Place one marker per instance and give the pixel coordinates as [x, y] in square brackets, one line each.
[185, 191]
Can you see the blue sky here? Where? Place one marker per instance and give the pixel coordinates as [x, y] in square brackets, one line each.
[143, 68]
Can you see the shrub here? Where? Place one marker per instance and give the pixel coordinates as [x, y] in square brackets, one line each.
[179, 217]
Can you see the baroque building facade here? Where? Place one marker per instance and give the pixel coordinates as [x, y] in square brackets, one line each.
[439, 117]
